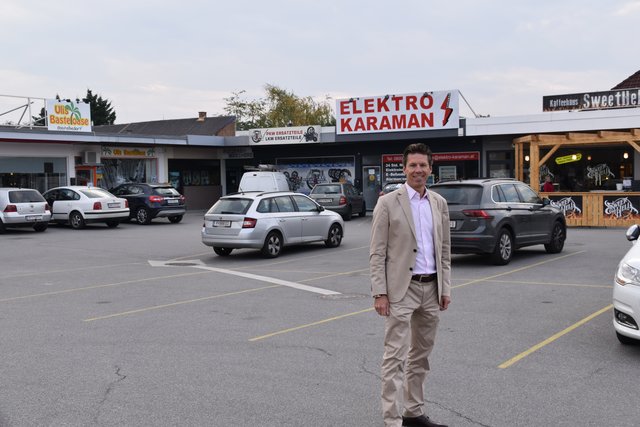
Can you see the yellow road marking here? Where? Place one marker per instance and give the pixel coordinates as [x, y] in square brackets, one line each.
[553, 284]
[309, 325]
[93, 267]
[66, 291]
[551, 339]
[526, 267]
[173, 304]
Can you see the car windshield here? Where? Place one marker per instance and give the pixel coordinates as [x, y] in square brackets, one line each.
[459, 194]
[96, 193]
[25, 196]
[236, 206]
[326, 189]
[166, 191]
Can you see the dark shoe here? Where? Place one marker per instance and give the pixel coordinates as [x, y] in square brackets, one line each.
[421, 421]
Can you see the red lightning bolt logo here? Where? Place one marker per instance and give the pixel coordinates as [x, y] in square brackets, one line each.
[447, 110]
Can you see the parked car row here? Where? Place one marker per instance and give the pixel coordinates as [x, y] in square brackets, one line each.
[80, 205]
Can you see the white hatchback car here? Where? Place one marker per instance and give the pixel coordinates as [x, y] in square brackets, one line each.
[269, 221]
[23, 207]
[79, 205]
[626, 292]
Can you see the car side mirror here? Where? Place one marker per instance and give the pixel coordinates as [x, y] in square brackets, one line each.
[546, 202]
[633, 232]
[320, 208]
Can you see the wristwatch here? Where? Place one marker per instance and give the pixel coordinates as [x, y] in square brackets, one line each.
[379, 295]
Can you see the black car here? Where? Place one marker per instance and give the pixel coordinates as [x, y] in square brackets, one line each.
[497, 216]
[148, 201]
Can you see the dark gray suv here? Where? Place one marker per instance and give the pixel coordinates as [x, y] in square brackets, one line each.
[497, 216]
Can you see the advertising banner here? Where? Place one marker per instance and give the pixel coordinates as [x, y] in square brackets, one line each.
[570, 205]
[622, 98]
[304, 174]
[288, 135]
[68, 116]
[128, 152]
[397, 113]
[621, 208]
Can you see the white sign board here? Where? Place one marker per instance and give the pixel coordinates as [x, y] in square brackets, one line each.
[288, 135]
[68, 116]
[398, 113]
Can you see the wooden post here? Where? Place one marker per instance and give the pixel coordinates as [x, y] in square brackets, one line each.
[534, 166]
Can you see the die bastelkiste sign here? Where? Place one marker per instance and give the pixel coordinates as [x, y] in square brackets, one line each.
[398, 113]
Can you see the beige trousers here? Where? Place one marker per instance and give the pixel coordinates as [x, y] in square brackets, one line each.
[410, 331]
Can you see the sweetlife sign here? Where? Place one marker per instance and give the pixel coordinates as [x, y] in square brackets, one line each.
[68, 116]
[397, 113]
[622, 98]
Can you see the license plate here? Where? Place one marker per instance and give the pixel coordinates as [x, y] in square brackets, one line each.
[172, 201]
[113, 205]
[452, 224]
[222, 223]
[324, 200]
[33, 217]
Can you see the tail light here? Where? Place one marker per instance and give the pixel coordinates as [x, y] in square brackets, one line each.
[126, 203]
[47, 207]
[97, 206]
[477, 213]
[182, 200]
[156, 199]
[343, 200]
[11, 208]
[249, 222]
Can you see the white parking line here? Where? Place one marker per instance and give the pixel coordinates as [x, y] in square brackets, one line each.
[199, 264]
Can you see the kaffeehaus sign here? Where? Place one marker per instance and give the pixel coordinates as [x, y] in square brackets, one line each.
[621, 98]
[398, 113]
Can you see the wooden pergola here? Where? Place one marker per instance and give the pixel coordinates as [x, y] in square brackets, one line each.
[566, 140]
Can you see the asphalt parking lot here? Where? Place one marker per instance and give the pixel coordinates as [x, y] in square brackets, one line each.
[145, 326]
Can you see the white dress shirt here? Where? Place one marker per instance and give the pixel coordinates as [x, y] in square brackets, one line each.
[423, 222]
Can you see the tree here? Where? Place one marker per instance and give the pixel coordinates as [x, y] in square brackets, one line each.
[102, 113]
[279, 108]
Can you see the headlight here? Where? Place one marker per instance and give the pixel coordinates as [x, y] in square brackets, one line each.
[627, 275]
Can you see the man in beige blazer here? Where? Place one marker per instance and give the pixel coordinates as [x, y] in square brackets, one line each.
[410, 265]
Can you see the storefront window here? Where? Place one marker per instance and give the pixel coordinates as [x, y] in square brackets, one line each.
[118, 171]
[40, 173]
[588, 169]
[500, 164]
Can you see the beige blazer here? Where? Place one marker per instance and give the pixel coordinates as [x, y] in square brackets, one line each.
[393, 249]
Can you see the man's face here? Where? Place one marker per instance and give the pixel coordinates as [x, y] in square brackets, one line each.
[417, 170]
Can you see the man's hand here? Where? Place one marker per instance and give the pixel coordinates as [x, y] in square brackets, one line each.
[444, 303]
[381, 304]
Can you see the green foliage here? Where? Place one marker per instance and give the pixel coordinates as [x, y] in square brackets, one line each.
[102, 113]
[279, 108]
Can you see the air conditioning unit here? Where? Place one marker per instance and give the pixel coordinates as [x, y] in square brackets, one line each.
[90, 157]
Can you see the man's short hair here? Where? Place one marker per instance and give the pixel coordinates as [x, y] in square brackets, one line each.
[418, 148]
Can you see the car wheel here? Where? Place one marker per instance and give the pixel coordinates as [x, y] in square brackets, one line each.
[113, 224]
[40, 227]
[347, 216]
[558, 235]
[363, 212]
[222, 251]
[175, 219]
[76, 221]
[504, 248]
[272, 245]
[335, 236]
[143, 216]
[626, 340]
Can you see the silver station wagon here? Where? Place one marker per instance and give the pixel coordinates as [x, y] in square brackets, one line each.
[23, 207]
[269, 221]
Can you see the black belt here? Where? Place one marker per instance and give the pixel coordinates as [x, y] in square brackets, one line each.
[424, 278]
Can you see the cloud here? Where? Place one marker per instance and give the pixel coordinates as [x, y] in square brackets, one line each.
[627, 9]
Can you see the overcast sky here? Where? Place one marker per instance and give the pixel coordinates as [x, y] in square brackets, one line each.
[158, 59]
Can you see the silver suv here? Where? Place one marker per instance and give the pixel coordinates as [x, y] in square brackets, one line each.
[342, 198]
[496, 216]
[268, 221]
[23, 207]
